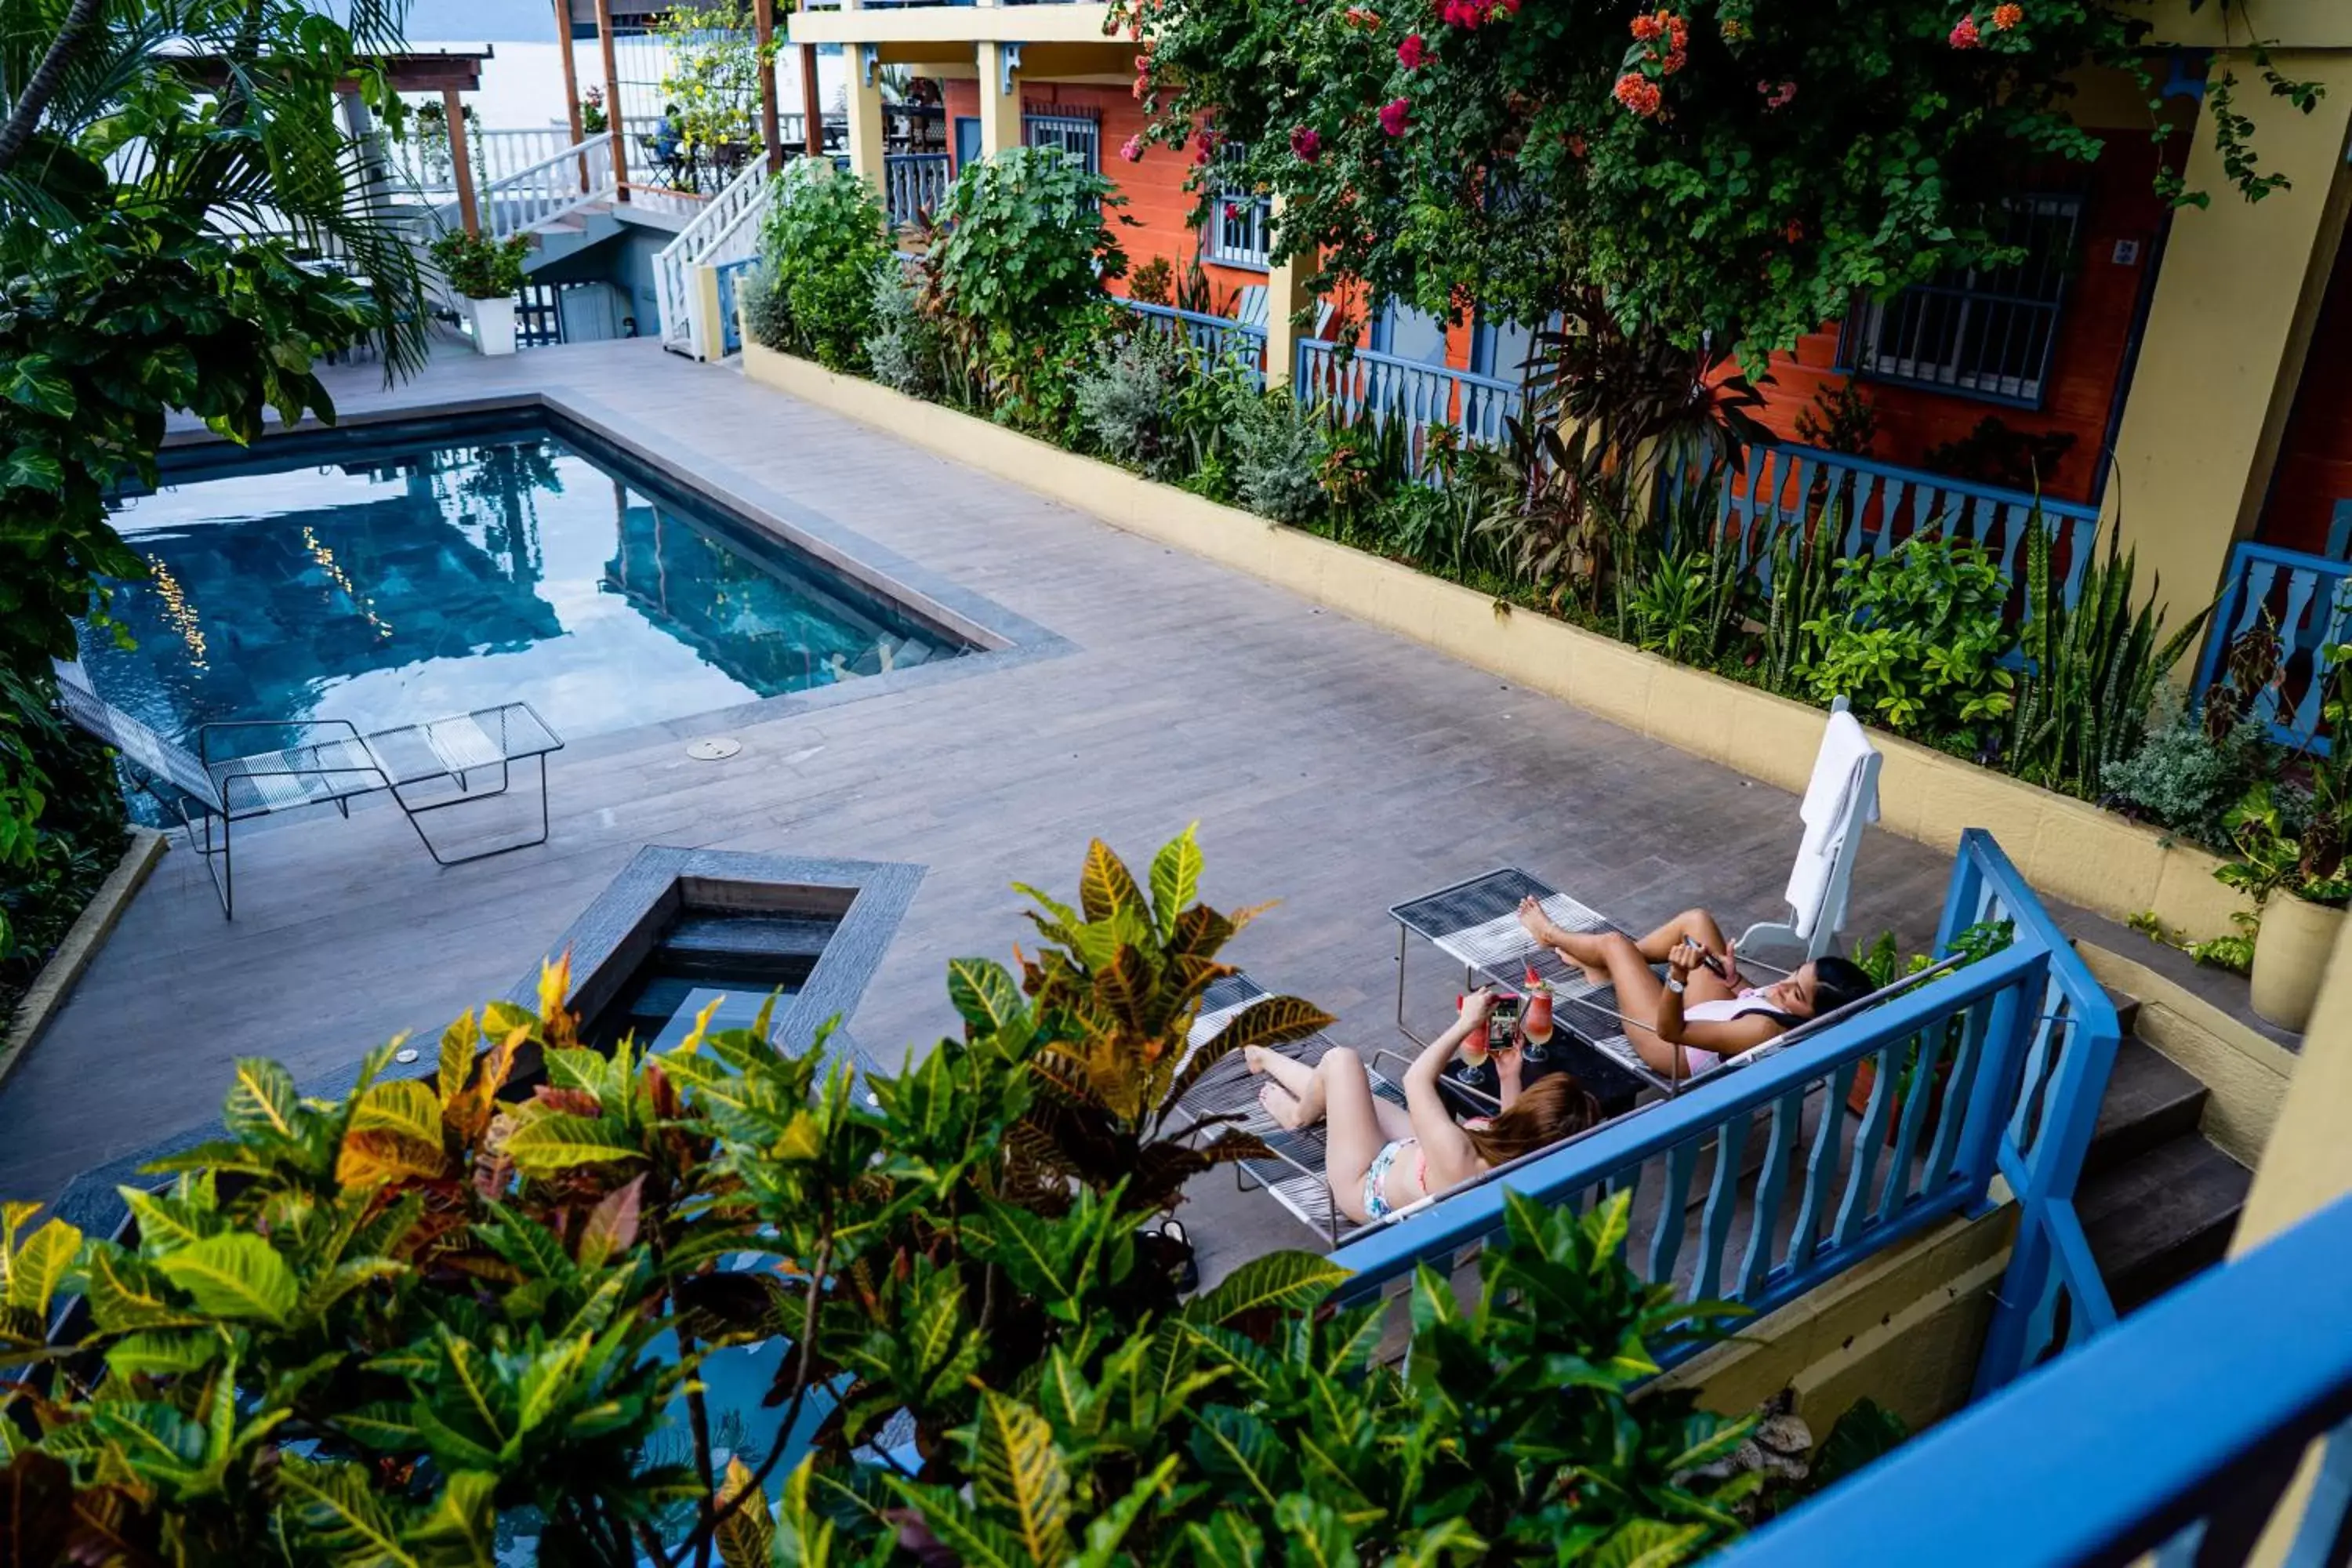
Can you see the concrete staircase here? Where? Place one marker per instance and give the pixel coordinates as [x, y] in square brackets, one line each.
[2158, 1200]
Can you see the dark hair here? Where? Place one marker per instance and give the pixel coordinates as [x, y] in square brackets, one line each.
[1546, 1112]
[1838, 982]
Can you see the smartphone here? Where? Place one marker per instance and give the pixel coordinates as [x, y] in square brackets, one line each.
[1502, 1023]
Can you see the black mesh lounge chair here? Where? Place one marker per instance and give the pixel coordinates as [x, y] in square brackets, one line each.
[327, 767]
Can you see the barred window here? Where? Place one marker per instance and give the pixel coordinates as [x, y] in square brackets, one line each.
[1079, 135]
[1237, 232]
[1982, 333]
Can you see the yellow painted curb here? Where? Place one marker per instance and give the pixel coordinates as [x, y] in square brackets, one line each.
[48, 994]
[2068, 849]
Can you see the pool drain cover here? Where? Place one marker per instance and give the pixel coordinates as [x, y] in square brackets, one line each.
[405, 1055]
[718, 748]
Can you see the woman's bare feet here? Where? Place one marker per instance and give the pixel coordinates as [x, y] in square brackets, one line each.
[1577, 947]
[1281, 1105]
[1538, 926]
[1253, 1058]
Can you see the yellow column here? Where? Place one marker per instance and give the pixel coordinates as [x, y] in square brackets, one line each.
[1000, 98]
[864, 116]
[710, 324]
[1286, 297]
[2240, 284]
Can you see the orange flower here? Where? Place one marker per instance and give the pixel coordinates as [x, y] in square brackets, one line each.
[2004, 17]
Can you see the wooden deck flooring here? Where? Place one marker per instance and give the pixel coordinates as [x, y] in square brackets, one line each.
[1336, 767]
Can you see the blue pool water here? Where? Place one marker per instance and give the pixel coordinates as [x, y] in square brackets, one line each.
[391, 577]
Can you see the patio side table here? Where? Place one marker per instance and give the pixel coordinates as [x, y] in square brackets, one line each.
[1476, 924]
[456, 748]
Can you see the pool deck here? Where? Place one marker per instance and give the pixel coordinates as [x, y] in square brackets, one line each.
[1331, 766]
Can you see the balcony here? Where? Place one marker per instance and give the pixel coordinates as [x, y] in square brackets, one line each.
[920, 22]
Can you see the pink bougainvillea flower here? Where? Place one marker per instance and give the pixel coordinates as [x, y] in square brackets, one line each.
[1396, 114]
[1132, 150]
[1638, 93]
[1965, 35]
[1306, 144]
[2004, 17]
[1413, 52]
[1777, 94]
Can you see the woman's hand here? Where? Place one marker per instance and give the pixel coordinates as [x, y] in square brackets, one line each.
[1474, 1007]
[1685, 957]
[1731, 964]
[1507, 1066]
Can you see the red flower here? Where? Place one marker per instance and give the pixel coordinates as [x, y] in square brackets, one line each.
[1306, 144]
[1142, 86]
[1358, 17]
[1648, 27]
[2004, 17]
[1965, 35]
[1777, 97]
[1795, 231]
[1396, 114]
[1676, 60]
[1142, 64]
[1638, 93]
[1576, 146]
[1132, 150]
[1413, 53]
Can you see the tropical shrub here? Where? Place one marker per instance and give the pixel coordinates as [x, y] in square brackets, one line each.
[2184, 781]
[820, 245]
[438, 1319]
[1129, 396]
[710, 81]
[480, 268]
[905, 345]
[767, 315]
[1026, 244]
[1278, 457]
[1913, 637]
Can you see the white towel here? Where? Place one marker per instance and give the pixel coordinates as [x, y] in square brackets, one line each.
[1829, 811]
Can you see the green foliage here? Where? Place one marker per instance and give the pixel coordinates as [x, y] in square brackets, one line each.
[1025, 241]
[1805, 580]
[411, 1324]
[2091, 671]
[711, 83]
[2184, 781]
[905, 348]
[1278, 457]
[1745, 176]
[1129, 397]
[821, 245]
[1913, 637]
[1684, 604]
[480, 268]
[2233, 951]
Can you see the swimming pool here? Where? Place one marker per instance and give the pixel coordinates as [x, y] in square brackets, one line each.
[398, 573]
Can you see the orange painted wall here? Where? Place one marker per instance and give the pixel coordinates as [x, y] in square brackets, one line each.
[1158, 203]
[2314, 470]
[2093, 336]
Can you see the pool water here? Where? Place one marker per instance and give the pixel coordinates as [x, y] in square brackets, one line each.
[396, 576]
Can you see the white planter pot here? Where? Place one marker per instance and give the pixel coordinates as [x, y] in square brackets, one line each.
[494, 325]
[2290, 956]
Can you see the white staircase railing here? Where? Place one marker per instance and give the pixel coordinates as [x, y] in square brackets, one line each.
[540, 193]
[726, 229]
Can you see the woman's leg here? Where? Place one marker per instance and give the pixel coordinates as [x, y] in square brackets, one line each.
[1298, 1098]
[1589, 950]
[1352, 1132]
[1692, 926]
[1638, 990]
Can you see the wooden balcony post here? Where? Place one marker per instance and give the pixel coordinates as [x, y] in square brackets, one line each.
[763, 33]
[461, 162]
[613, 99]
[1286, 295]
[811, 105]
[571, 81]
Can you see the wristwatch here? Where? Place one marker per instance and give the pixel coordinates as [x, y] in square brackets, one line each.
[1675, 986]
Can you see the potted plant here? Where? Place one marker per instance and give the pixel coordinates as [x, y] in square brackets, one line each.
[486, 272]
[2294, 870]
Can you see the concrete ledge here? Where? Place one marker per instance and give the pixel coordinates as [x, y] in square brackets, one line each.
[88, 933]
[2067, 850]
[2246, 1075]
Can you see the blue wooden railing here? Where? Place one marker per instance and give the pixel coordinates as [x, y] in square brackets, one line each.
[1425, 396]
[2176, 1434]
[2018, 1046]
[1215, 336]
[2305, 600]
[1878, 506]
[730, 326]
[912, 184]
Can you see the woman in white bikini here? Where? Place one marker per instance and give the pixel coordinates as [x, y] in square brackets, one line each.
[1701, 1015]
[1379, 1159]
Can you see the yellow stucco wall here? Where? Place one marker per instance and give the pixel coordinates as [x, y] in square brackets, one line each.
[2239, 286]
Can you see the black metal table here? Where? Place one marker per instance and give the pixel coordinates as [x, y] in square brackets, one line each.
[1475, 923]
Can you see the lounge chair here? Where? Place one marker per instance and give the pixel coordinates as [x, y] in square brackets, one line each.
[330, 770]
[192, 786]
[1477, 922]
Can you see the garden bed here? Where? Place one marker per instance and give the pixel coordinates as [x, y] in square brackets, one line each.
[2066, 848]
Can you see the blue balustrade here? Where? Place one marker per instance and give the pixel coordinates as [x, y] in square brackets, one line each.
[2176, 1435]
[730, 324]
[1996, 1067]
[1425, 396]
[1874, 507]
[1217, 337]
[913, 184]
[2305, 599]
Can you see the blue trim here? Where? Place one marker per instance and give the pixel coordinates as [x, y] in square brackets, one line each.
[730, 326]
[2114, 1452]
[2313, 607]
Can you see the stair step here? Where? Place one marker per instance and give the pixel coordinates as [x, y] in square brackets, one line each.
[2126, 1006]
[2150, 1099]
[2157, 1218]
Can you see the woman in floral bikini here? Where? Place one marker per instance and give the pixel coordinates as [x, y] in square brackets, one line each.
[1379, 1159]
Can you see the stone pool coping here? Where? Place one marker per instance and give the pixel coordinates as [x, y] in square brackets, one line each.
[54, 984]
